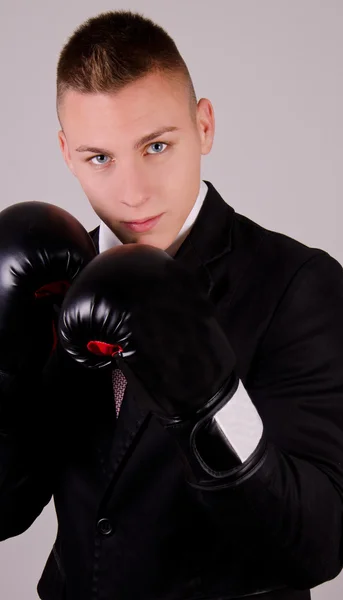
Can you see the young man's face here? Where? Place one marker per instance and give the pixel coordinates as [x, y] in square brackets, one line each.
[128, 168]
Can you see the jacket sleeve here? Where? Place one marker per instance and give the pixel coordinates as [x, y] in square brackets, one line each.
[28, 465]
[288, 496]
[24, 484]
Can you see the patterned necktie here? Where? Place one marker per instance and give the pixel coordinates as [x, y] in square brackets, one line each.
[119, 385]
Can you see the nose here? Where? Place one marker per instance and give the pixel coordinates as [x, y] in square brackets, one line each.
[133, 190]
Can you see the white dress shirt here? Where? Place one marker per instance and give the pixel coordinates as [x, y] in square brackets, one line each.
[238, 419]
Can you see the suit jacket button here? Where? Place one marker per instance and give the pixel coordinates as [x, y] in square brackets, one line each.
[104, 527]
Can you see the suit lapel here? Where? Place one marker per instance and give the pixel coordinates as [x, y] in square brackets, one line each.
[129, 422]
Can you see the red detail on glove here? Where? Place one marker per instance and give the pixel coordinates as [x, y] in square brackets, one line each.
[104, 349]
[55, 288]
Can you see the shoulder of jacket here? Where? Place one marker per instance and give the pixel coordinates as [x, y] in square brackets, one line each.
[272, 247]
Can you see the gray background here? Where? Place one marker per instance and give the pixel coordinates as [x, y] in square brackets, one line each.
[273, 70]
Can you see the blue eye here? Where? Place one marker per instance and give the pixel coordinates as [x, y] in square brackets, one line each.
[102, 161]
[157, 148]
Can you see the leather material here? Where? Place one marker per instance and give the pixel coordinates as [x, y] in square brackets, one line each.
[146, 302]
[42, 250]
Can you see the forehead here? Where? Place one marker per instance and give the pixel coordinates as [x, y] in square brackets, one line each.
[150, 102]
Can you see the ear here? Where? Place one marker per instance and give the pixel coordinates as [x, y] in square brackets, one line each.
[65, 150]
[205, 124]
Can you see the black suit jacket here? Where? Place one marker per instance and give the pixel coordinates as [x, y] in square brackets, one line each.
[130, 525]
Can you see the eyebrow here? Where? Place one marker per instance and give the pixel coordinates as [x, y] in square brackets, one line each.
[144, 140]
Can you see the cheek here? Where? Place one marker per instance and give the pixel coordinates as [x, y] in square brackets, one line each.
[188, 180]
[191, 155]
[185, 172]
[96, 187]
[185, 160]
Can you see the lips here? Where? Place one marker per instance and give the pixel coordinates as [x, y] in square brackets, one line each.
[142, 224]
[141, 220]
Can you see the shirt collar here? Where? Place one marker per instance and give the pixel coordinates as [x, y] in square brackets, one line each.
[108, 239]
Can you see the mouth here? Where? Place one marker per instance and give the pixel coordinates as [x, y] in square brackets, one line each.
[142, 224]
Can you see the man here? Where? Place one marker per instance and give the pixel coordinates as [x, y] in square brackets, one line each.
[129, 523]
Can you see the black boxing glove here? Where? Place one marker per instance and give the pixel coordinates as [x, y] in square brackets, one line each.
[42, 250]
[138, 307]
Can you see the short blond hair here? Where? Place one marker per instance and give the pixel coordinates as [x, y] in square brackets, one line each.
[115, 48]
